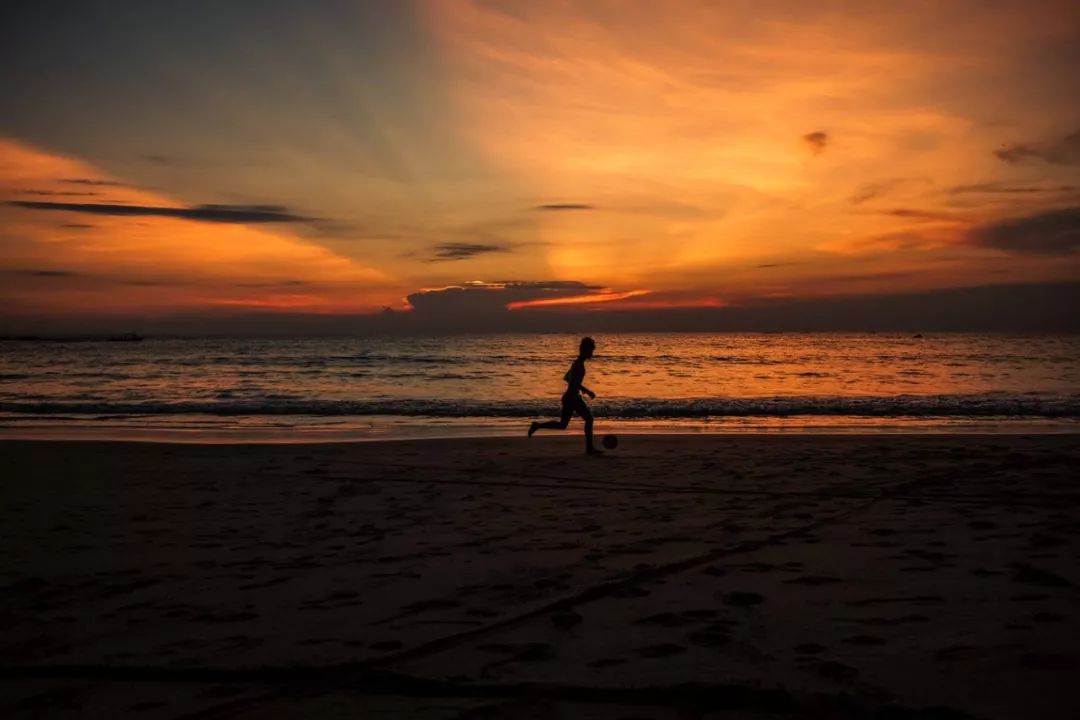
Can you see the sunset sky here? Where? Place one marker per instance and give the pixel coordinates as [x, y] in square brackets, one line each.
[458, 159]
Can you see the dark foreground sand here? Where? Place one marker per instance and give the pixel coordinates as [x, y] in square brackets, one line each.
[680, 577]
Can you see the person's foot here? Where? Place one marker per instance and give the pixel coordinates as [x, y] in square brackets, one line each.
[593, 451]
[532, 428]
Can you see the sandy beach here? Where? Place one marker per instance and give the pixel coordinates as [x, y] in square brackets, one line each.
[680, 576]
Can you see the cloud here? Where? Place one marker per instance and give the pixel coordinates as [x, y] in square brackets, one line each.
[492, 298]
[95, 183]
[1055, 232]
[47, 273]
[1065, 151]
[557, 207]
[916, 214]
[204, 213]
[445, 252]
[868, 191]
[817, 141]
[57, 193]
[272, 284]
[1000, 189]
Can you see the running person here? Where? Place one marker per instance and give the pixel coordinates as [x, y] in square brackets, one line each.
[572, 402]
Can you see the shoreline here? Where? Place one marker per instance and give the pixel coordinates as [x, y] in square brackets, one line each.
[380, 430]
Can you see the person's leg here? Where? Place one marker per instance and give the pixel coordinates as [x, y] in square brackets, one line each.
[560, 424]
[586, 415]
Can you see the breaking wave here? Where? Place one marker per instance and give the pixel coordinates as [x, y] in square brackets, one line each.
[984, 405]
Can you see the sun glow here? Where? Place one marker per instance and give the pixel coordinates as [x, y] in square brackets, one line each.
[150, 263]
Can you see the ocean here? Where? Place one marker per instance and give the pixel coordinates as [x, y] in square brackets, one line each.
[394, 387]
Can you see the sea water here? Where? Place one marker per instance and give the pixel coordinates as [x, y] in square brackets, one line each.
[379, 387]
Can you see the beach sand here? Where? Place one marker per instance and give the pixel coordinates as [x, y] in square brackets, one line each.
[743, 576]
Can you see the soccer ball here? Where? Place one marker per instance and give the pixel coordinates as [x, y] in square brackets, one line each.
[611, 442]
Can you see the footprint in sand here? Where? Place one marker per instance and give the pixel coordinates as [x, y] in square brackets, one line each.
[836, 671]
[864, 640]
[665, 619]
[1039, 540]
[519, 652]
[662, 650]
[566, 620]
[713, 636]
[958, 652]
[814, 580]
[1031, 575]
[1050, 661]
[743, 599]
[810, 648]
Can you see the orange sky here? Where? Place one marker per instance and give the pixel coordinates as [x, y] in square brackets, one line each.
[657, 153]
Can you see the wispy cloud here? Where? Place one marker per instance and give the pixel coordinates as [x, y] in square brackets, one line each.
[93, 182]
[556, 207]
[1055, 232]
[1065, 151]
[919, 214]
[56, 193]
[996, 188]
[204, 213]
[447, 252]
[48, 273]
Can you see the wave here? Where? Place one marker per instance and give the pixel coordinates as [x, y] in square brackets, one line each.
[986, 405]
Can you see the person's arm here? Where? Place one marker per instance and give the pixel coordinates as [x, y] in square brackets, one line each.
[588, 392]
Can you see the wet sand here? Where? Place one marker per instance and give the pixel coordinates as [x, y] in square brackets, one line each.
[712, 576]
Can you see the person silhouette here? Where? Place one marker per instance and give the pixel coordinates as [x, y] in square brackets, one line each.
[572, 401]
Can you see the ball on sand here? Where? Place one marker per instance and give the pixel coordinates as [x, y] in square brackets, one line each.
[611, 442]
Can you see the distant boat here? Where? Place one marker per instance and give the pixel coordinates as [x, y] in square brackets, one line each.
[126, 337]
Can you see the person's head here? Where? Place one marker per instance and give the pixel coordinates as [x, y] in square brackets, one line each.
[588, 346]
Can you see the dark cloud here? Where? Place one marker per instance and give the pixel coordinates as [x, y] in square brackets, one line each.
[555, 207]
[879, 188]
[868, 191]
[105, 280]
[916, 214]
[152, 282]
[204, 213]
[96, 183]
[1001, 189]
[445, 252]
[491, 298]
[272, 284]
[48, 273]
[57, 193]
[817, 141]
[77, 226]
[1055, 232]
[1065, 151]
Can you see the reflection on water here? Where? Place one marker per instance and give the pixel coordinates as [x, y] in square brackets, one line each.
[656, 381]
